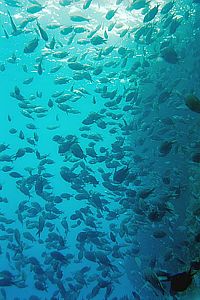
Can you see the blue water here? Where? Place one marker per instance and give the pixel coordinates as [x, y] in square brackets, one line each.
[128, 206]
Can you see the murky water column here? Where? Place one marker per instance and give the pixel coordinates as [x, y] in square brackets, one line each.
[192, 221]
[161, 219]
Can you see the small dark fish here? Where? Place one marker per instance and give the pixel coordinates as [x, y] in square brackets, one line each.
[77, 151]
[79, 19]
[120, 175]
[39, 68]
[31, 46]
[196, 157]
[169, 55]
[28, 80]
[165, 148]
[15, 30]
[50, 103]
[113, 237]
[58, 256]
[167, 7]
[52, 44]
[35, 8]
[41, 224]
[193, 103]
[13, 3]
[151, 277]
[151, 14]
[110, 14]
[145, 193]
[15, 175]
[43, 33]
[5, 32]
[97, 40]
[87, 4]
[181, 281]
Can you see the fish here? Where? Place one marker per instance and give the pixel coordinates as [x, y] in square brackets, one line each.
[180, 281]
[13, 3]
[111, 13]
[66, 30]
[100, 145]
[35, 8]
[151, 277]
[169, 55]
[6, 33]
[193, 103]
[14, 28]
[97, 40]
[196, 157]
[87, 4]
[39, 67]
[31, 46]
[167, 7]
[151, 14]
[79, 19]
[43, 33]
[120, 175]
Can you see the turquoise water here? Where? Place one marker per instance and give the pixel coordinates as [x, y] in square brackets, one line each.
[99, 149]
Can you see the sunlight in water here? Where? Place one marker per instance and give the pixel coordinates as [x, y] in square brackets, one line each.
[123, 19]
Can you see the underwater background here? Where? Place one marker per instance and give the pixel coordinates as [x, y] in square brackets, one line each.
[99, 149]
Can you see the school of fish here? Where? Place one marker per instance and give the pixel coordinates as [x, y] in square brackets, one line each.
[99, 149]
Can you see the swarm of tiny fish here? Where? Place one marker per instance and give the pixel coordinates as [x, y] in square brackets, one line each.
[99, 150]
